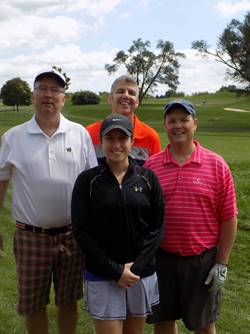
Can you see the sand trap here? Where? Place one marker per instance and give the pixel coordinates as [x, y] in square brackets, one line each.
[238, 110]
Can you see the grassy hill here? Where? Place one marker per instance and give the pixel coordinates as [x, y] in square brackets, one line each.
[227, 133]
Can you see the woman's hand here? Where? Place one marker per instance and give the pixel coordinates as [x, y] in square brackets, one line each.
[127, 278]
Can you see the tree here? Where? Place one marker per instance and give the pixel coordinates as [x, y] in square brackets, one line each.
[85, 97]
[170, 93]
[16, 92]
[63, 74]
[233, 49]
[148, 68]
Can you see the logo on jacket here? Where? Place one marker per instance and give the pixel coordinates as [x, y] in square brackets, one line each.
[138, 189]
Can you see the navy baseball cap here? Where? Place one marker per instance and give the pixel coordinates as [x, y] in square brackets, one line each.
[116, 121]
[187, 105]
[51, 74]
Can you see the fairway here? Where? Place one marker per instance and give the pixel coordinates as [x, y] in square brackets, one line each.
[226, 132]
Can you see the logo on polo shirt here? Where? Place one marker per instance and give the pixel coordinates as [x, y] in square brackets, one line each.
[197, 180]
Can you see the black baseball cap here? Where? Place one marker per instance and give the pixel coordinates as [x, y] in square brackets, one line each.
[116, 121]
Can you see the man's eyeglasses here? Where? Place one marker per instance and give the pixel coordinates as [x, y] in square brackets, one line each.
[52, 90]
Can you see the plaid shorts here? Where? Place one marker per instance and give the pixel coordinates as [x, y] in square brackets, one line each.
[41, 258]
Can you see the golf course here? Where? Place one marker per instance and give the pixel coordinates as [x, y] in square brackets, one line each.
[224, 127]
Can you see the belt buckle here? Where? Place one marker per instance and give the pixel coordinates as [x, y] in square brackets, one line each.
[32, 229]
[43, 230]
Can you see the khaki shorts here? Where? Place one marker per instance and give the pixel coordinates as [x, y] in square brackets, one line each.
[41, 259]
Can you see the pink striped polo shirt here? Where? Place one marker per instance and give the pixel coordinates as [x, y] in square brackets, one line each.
[198, 196]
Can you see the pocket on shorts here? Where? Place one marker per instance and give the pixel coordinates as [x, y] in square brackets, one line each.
[70, 243]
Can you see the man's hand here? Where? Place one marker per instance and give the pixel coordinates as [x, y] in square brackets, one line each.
[217, 276]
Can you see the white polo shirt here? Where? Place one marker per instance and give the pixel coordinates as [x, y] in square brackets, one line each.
[43, 170]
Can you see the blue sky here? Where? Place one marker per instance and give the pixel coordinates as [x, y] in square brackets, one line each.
[82, 36]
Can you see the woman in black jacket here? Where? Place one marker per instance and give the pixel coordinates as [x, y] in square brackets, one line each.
[117, 215]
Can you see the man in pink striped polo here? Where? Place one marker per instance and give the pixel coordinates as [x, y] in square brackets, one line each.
[200, 226]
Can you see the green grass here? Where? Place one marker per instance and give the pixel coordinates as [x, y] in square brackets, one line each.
[227, 133]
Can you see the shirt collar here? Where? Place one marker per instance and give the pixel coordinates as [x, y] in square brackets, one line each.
[34, 128]
[196, 157]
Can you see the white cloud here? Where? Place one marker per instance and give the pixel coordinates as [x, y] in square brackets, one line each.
[42, 7]
[228, 8]
[95, 7]
[15, 8]
[7, 11]
[201, 74]
[42, 23]
[86, 70]
[37, 32]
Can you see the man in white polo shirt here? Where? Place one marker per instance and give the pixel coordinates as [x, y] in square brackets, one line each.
[43, 157]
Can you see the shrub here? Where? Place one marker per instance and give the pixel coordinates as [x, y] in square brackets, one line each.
[85, 97]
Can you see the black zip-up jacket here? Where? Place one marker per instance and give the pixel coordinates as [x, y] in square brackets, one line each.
[117, 224]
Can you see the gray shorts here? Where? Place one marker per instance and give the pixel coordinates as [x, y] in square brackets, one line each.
[105, 300]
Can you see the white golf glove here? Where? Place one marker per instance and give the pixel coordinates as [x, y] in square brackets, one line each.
[217, 276]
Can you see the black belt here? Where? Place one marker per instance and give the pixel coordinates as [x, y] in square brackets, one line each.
[163, 251]
[49, 231]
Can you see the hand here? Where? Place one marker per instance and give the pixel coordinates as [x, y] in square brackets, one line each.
[217, 276]
[127, 278]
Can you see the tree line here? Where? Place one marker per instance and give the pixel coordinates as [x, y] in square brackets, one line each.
[151, 69]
